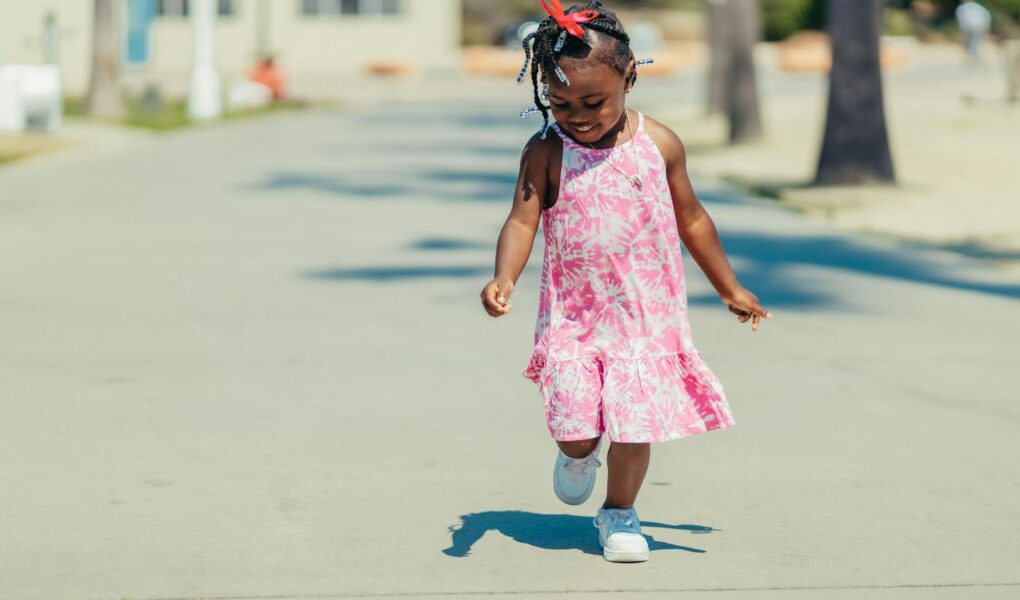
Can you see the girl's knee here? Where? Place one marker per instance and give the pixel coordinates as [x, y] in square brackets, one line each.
[578, 448]
[625, 448]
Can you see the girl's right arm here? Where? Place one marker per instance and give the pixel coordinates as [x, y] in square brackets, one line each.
[518, 235]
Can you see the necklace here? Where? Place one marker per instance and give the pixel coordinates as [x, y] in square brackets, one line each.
[635, 179]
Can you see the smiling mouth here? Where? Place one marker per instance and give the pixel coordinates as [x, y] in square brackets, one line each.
[584, 129]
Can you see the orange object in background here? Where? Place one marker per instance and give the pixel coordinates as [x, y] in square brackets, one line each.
[268, 74]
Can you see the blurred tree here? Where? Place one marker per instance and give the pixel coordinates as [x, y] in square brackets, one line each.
[485, 20]
[1007, 27]
[855, 148]
[104, 98]
[783, 18]
[734, 28]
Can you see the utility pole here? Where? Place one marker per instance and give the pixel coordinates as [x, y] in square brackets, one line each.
[204, 101]
[103, 98]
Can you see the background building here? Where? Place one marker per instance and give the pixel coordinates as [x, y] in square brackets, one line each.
[319, 43]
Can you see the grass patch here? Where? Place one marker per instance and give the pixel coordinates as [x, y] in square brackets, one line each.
[14, 147]
[173, 114]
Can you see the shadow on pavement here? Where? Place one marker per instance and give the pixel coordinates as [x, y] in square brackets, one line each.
[447, 243]
[401, 273]
[429, 185]
[767, 263]
[549, 532]
[770, 255]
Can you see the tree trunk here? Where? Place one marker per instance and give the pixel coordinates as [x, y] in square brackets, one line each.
[855, 148]
[719, 57]
[734, 28]
[104, 99]
[1011, 50]
[742, 88]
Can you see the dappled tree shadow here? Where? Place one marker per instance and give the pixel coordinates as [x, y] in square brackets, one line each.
[770, 264]
[768, 267]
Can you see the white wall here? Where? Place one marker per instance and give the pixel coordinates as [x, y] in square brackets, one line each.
[21, 27]
[318, 53]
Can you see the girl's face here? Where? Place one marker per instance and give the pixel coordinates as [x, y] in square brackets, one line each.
[593, 106]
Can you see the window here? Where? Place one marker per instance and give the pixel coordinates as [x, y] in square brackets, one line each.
[350, 7]
[182, 8]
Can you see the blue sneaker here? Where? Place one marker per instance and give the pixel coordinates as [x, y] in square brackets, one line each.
[620, 535]
[574, 478]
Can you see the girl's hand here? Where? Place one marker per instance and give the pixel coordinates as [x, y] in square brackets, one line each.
[745, 305]
[496, 297]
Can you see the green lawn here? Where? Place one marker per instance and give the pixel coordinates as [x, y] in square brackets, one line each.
[173, 114]
[21, 145]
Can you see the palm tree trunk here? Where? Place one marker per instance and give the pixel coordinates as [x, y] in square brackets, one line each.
[855, 148]
[719, 57]
[742, 87]
[104, 99]
[734, 29]
[1011, 50]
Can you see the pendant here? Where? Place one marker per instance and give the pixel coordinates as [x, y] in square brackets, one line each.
[637, 182]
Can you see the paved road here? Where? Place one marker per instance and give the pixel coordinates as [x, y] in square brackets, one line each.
[249, 362]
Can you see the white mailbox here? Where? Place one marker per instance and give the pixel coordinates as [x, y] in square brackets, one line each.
[30, 96]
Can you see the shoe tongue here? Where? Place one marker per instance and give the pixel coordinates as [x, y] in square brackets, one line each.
[624, 515]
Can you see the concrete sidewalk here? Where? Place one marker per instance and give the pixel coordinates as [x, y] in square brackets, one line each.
[240, 369]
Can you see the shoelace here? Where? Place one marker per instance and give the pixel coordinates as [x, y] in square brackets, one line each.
[580, 466]
[617, 518]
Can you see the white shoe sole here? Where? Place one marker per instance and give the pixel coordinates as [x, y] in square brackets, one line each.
[624, 556]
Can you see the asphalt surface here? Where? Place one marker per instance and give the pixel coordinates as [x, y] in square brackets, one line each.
[249, 362]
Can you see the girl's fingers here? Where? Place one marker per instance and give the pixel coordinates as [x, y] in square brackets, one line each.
[494, 304]
[489, 300]
[753, 312]
[742, 315]
[498, 312]
[503, 292]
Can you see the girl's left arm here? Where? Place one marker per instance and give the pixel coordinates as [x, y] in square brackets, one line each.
[698, 232]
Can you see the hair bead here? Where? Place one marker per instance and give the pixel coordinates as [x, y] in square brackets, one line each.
[560, 41]
[543, 49]
[563, 76]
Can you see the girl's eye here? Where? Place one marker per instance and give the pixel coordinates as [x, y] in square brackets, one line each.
[558, 105]
[596, 105]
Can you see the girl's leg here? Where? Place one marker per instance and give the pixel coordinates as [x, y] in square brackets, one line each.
[580, 448]
[628, 464]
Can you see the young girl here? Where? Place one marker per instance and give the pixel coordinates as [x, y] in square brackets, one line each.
[613, 349]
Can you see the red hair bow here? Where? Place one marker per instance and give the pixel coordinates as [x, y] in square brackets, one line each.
[571, 22]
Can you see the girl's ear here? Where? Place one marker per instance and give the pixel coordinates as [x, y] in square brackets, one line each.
[631, 77]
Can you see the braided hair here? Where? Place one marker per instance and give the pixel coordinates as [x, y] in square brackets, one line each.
[604, 41]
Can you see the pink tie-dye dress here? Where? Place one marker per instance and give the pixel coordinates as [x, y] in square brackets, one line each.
[613, 348]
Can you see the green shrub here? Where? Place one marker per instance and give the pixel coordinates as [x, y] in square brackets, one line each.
[783, 18]
[898, 22]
